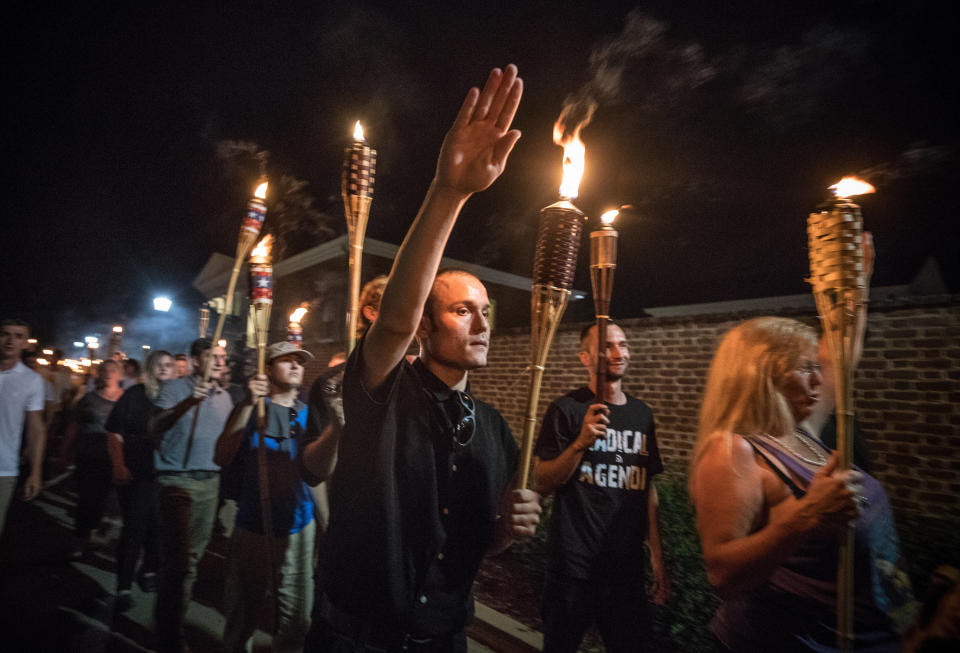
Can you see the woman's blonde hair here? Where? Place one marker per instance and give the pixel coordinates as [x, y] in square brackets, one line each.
[742, 394]
[151, 385]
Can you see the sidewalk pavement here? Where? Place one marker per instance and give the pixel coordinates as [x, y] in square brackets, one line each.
[49, 603]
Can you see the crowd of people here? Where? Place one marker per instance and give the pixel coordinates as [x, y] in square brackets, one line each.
[359, 517]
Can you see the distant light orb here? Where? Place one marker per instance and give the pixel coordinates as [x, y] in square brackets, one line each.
[162, 304]
[77, 343]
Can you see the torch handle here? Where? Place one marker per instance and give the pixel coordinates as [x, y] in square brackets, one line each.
[261, 368]
[355, 258]
[601, 391]
[530, 425]
[227, 307]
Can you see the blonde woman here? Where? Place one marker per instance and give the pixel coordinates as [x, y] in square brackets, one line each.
[770, 502]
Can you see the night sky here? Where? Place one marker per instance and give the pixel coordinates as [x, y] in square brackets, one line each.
[722, 123]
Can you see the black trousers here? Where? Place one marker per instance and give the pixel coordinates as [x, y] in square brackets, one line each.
[94, 480]
[618, 607]
[139, 510]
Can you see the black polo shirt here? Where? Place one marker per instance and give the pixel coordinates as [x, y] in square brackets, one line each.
[412, 513]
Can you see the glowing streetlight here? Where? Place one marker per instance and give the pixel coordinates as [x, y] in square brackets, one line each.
[162, 304]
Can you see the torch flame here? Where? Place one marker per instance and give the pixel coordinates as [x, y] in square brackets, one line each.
[261, 253]
[118, 329]
[574, 153]
[261, 191]
[609, 216]
[358, 132]
[297, 315]
[850, 186]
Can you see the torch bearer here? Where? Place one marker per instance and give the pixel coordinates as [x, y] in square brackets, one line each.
[603, 263]
[834, 234]
[555, 262]
[249, 230]
[295, 327]
[356, 186]
[204, 319]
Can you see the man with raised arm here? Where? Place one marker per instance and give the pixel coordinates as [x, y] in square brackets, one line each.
[423, 487]
[599, 459]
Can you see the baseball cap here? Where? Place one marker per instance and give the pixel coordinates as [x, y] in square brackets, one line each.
[283, 348]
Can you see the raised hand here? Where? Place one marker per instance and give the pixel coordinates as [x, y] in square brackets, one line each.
[476, 148]
[594, 426]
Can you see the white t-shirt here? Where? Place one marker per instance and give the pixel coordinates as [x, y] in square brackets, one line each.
[21, 390]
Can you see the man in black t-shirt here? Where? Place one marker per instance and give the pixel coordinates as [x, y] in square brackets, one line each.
[422, 487]
[599, 459]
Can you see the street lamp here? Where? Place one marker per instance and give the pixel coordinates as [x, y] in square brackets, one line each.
[162, 304]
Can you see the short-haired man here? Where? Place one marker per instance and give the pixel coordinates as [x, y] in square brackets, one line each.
[291, 507]
[184, 366]
[599, 459]
[191, 414]
[22, 394]
[422, 489]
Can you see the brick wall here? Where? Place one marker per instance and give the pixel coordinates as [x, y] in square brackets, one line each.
[907, 388]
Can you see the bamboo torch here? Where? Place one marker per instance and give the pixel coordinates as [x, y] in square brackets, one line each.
[204, 319]
[555, 262]
[295, 327]
[603, 263]
[261, 298]
[249, 230]
[834, 234]
[356, 186]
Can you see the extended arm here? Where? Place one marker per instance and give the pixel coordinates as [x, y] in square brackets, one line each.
[36, 442]
[473, 155]
[161, 421]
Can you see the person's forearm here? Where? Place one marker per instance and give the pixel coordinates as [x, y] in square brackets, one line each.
[229, 441]
[320, 456]
[164, 420]
[654, 543]
[747, 562]
[115, 449]
[550, 474]
[418, 260]
[36, 442]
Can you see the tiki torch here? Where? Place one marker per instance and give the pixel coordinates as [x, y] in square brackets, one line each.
[295, 327]
[356, 186]
[204, 319]
[603, 263]
[261, 299]
[555, 262]
[834, 234]
[116, 337]
[249, 230]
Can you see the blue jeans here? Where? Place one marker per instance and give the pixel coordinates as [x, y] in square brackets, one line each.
[186, 508]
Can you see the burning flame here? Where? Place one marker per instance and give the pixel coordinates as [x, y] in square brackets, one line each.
[358, 132]
[297, 315]
[118, 329]
[608, 217]
[850, 186]
[222, 342]
[261, 253]
[574, 153]
[261, 191]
